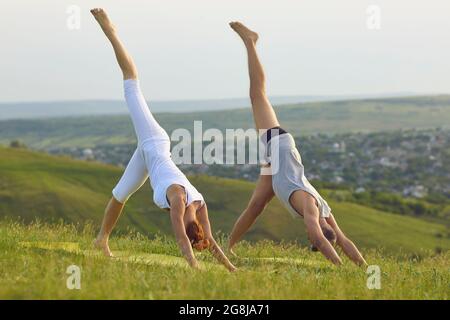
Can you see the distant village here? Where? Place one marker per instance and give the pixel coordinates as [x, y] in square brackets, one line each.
[412, 163]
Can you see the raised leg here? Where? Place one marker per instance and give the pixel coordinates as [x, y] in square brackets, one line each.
[124, 59]
[263, 112]
[144, 123]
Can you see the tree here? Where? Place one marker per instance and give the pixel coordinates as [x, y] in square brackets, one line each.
[17, 144]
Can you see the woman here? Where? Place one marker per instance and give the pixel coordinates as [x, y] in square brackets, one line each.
[287, 180]
[172, 190]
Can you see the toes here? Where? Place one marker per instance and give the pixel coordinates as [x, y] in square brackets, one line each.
[236, 25]
[97, 11]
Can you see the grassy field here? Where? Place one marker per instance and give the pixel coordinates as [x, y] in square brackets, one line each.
[68, 198]
[300, 119]
[36, 185]
[34, 260]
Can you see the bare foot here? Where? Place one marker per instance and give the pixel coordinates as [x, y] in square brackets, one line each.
[247, 35]
[103, 20]
[102, 244]
[232, 269]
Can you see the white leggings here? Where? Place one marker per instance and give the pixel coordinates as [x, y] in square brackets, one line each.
[133, 178]
[152, 157]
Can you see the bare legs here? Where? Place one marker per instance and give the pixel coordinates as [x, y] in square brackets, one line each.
[261, 197]
[263, 113]
[265, 118]
[112, 213]
[124, 59]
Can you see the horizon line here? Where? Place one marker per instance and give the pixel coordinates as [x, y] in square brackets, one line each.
[319, 96]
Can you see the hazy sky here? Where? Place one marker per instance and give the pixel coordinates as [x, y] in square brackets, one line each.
[185, 50]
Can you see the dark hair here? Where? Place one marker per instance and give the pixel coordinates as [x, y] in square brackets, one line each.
[328, 233]
[196, 235]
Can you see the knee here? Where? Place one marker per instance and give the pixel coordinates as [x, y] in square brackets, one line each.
[257, 206]
[257, 94]
[120, 196]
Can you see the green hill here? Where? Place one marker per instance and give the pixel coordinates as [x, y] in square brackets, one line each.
[300, 119]
[36, 185]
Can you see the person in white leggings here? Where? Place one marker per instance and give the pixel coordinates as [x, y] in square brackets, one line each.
[172, 190]
[152, 157]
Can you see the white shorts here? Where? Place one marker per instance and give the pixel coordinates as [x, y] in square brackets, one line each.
[152, 158]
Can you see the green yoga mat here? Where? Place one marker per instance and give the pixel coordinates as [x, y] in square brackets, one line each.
[124, 256]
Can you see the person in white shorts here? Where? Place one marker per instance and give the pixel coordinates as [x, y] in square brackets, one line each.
[287, 179]
[152, 158]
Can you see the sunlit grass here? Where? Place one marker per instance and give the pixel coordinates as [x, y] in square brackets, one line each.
[34, 259]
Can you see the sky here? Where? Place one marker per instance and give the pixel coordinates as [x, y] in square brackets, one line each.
[184, 49]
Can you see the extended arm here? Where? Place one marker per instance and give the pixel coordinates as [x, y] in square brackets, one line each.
[349, 248]
[317, 238]
[177, 210]
[305, 204]
[261, 197]
[214, 248]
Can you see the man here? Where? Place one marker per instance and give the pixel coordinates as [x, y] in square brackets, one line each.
[287, 180]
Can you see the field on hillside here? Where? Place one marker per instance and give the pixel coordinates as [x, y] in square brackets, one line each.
[36, 185]
[34, 261]
[301, 119]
